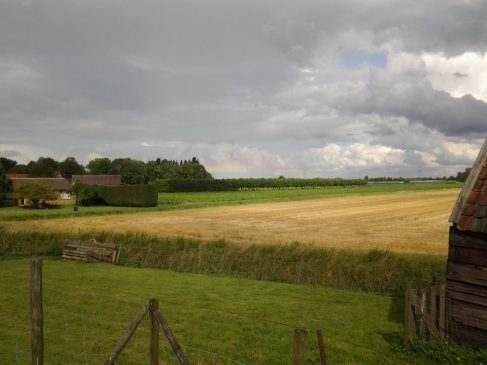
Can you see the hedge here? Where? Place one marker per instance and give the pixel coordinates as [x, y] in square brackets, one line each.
[122, 195]
[187, 185]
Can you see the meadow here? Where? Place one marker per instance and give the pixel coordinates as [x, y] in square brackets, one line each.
[177, 201]
[252, 322]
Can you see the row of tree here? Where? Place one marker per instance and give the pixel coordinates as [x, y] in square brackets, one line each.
[132, 171]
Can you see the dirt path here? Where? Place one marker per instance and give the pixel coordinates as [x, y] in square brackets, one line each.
[403, 222]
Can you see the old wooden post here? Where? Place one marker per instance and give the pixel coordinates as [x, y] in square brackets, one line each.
[300, 337]
[154, 332]
[433, 315]
[441, 314]
[409, 325]
[177, 350]
[37, 337]
[423, 319]
[126, 338]
[321, 347]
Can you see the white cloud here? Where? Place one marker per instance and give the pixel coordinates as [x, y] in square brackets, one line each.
[465, 74]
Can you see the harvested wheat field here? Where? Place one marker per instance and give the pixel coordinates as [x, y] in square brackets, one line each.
[402, 222]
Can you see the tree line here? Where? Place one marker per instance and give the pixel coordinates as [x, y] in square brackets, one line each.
[132, 171]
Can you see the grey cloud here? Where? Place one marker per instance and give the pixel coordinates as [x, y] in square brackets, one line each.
[100, 78]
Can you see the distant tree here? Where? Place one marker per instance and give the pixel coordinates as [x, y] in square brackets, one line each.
[193, 170]
[153, 170]
[70, 167]
[36, 192]
[132, 171]
[20, 169]
[43, 167]
[462, 176]
[7, 163]
[100, 166]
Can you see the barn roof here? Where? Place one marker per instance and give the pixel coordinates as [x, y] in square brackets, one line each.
[57, 183]
[470, 212]
[97, 179]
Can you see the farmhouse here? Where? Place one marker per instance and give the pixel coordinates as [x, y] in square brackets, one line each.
[60, 185]
[466, 281]
[97, 179]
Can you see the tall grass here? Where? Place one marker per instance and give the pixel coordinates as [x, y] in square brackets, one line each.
[371, 271]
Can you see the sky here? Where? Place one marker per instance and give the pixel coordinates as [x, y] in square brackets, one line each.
[253, 88]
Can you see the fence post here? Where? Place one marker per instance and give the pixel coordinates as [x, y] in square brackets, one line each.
[441, 314]
[321, 346]
[300, 337]
[433, 315]
[154, 332]
[37, 337]
[423, 320]
[409, 324]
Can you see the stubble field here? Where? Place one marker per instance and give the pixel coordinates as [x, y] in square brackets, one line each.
[407, 222]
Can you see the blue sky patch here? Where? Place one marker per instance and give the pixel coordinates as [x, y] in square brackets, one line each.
[355, 59]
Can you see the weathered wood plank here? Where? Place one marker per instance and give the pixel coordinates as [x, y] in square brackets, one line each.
[468, 310]
[467, 239]
[468, 255]
[469, 298]
[478, 290]
[466, 273]
[471, 336]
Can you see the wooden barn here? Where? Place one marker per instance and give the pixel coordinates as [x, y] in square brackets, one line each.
[466, 281]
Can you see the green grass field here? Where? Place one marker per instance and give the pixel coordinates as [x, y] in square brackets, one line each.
[174, 201]
[89, 306]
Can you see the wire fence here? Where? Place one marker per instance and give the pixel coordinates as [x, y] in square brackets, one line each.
[84, 327]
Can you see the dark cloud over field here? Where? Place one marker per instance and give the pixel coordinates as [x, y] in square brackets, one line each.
[253, 88]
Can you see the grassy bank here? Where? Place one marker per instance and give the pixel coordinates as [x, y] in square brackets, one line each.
[370, 271]
[88, 307]
[176, 201]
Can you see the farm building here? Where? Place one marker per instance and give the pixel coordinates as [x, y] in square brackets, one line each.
[97, 179]
[466, 281]
[60, 185]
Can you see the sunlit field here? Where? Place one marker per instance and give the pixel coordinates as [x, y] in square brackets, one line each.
[401, 221]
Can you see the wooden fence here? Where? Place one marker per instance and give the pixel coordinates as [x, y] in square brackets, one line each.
[158, 323]
[425, 313]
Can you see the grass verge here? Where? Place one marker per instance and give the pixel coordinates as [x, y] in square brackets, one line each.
[371, 271]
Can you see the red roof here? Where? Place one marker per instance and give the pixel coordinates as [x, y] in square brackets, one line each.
[58, 184]
[470, 213]
[97, 179]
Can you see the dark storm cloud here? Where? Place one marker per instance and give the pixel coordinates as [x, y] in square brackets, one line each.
[255, 80]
